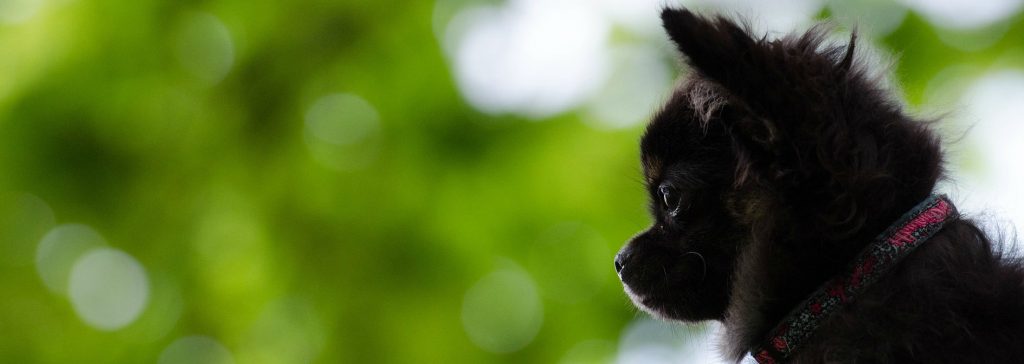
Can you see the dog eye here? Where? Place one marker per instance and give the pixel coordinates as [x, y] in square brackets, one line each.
[669, 197]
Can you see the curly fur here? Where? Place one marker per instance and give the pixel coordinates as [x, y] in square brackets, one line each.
[776, 162]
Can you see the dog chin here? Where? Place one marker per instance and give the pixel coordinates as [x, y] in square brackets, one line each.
[638, 301]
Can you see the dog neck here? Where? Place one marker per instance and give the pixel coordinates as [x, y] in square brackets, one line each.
[909, 231]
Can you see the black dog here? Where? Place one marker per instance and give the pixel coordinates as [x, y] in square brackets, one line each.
[789, 193]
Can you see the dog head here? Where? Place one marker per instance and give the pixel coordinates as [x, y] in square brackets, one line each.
[781, 147]
[680, 268]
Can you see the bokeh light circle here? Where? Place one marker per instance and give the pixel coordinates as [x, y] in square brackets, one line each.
[994, 105]
[19, 11]
[943, 92]
[639, 80]
[59, 249]
[293, 315]
[164, 310]
[876, 17]
[108, 288]
[340, 130]
[24, 219]
[964, 14]
[637, 16]
[975, 39]
[196, 350]
[204, 47]
[341, 119]
[502, 312]
[535, 58]
[646, 340]
[774, 17]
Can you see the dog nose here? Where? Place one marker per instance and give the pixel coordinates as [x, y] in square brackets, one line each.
[620, 261]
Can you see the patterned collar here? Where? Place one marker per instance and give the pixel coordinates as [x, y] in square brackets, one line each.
[910, 231]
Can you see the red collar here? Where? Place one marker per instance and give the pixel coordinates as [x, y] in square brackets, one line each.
[911, 230]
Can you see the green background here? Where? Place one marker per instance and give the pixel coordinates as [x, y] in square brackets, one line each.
[443, 234]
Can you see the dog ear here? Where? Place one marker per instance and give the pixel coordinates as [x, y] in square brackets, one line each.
[717, 47]
[772, 78]
[780, 85]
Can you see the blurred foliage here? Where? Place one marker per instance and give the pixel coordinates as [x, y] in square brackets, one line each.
[115, 115]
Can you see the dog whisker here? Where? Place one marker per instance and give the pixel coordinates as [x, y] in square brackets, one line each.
[703, 264]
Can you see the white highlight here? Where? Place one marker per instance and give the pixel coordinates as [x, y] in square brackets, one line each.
[995, 107]
[774, 17]
[639, 81]
[650, 341]
[962, 14]
[533, 57]
[638, 16]
[108, 289]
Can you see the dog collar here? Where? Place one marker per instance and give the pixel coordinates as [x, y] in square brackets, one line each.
[911, 230]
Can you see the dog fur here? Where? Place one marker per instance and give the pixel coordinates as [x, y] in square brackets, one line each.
[771, 166]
